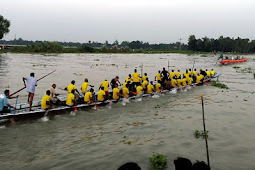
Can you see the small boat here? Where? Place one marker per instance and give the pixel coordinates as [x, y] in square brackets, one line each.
[232, 61]
[23, 114]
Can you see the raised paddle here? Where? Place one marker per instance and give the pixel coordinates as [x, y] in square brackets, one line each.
[37, 80]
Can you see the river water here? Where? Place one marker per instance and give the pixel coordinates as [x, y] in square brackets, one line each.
[116, 134]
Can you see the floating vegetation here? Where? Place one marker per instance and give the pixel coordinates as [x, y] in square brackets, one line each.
[77, 74]
[96, 59]
[158, 161]
[220, 85]
[246, 70]
[200, 133]
[203, 55]
[157, 106]
[236, 67]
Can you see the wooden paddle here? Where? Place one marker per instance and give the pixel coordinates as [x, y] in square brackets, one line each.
[37, 80]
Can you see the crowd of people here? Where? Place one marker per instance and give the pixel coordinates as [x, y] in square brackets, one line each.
[135, 84]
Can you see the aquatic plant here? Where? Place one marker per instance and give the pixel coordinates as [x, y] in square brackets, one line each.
[220, 85]
[200, 133]
[158, 161]
[236, 67]
[197, 134]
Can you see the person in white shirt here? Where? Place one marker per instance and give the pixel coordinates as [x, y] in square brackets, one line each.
[31, 83]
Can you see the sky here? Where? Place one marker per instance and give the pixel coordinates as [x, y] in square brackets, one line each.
[153, 21]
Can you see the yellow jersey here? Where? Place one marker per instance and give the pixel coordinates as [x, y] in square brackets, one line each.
[124, 85]
[157, 87]
[190, 80]
[208, 73]
[70, 99]
[129, 79]
[144, 84]
[46, 98]
[150, 88]
[184, 82]
[125, 92]
[173, 82]
[105, 84]
[212, 73]
[172, 74]
[136, 77]
[178, 74]
[138, 90]
[194, 73]
[115, 93]
[84, 87]
[189, 73]
[70, 88]
[198, 79]
[179, 82]
[158, 76]
[186, 75]
[100, 95]
[144, 78]
[87, 96]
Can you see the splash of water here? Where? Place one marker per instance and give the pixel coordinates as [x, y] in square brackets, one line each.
[45, 119]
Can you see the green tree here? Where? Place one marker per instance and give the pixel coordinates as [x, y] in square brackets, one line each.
[4, 26]
[193, 43]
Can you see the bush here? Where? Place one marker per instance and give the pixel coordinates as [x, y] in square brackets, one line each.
[158, 161]
[220, 85]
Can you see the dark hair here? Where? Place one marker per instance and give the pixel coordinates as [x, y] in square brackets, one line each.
[117, 77]
[172, 70]
[159, 71]
[73, 82]
[32, 74]
[135, 70]
[48, 92]
[6, 91]
[195, 69]
[190, 69]
[53, 84]
[145, 74]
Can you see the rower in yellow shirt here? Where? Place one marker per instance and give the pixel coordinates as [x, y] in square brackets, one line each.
[190, 80]
[84, 86]
[46, 104]
[194, 72]
[88, 98]
[158, 76]
[178, 74]
[186, 74]
[179, 82]
[208, 73]
[172, 74]
[139, 90]
[199, 78]
[212, 73]
[190, 72]
[116, 92]
[136, 78]
[70, 99]
[174, 82]
[150, 88]
[125, 92]
[184, 81]
[101, 95]
[71, 87]
[145, 77]
[144, 84]
[158, 87]
[129, 78]
[105, 84]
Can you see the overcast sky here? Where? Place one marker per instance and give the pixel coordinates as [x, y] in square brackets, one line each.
[153, 21]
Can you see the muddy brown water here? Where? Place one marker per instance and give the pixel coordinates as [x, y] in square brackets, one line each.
[117, 133]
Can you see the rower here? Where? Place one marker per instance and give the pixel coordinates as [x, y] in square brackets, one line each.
[115, 81]
[165, 76]
[129, 78]
[172, 74]
[116, 92]
[194, 72]
[70, 98]
[190, 72]
[144, 85]
[31, 83]
[150, 88]
[105, 84]
[202, 72]
[53, 95]
[186, 74]
[4, 102]
[101, 95]
[179, 82]
[208, 73]
[88, 98]
[85, 85]
[46, 104]
[174, 82]
[72, 87]
[168, 84]
[136, 79]
[184, 81]
[158, 77]
[213, 73]
[190, 80]
[178, 74]
[158, 86]
[125, 92]
[139, 90]
[199, 78]
[144, 77]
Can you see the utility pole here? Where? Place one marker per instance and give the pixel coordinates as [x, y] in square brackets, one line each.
[180, 43]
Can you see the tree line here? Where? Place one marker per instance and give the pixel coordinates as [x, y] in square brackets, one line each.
[222, 44]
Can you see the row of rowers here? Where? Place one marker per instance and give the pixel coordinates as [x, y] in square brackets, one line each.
[134, 85]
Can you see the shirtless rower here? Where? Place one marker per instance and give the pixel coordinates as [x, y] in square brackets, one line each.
[115, 81]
